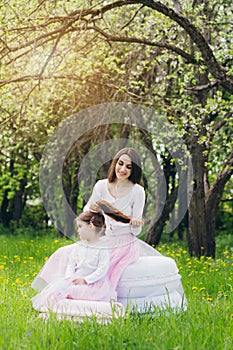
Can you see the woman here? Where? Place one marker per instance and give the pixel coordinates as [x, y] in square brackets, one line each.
[121, 189]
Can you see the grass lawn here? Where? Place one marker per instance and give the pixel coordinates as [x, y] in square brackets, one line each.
[206, 325]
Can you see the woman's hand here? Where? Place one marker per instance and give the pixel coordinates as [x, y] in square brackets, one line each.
[77, 281]
[94, 208]
[136, 223]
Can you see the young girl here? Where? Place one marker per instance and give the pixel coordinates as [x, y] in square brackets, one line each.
[86, 275]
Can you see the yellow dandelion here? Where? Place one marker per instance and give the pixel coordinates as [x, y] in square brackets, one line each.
[194, 288]
[148, 339]
[56, 241]
[1, 267]
[30, 258]
[209, 299]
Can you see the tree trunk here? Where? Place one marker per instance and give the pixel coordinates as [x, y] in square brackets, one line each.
[155, 231]
[201, 224]
[197, 231]
[6, 215]
[19, 202]
[183, 226]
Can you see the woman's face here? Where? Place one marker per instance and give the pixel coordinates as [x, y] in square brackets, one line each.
[86, 231]
[123, 168]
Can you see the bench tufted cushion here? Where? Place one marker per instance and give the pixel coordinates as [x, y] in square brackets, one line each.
[150, 275]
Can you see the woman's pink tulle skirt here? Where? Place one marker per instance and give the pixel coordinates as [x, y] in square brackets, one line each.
[124, 250]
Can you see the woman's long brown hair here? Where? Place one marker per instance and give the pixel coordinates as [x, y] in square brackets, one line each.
[113, 212]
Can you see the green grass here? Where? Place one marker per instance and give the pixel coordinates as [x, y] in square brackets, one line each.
[206, 325]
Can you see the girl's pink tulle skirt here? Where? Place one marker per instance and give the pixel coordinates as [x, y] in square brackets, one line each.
[65, 289]
[53, 286]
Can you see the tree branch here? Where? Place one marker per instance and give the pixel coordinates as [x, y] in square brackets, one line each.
[91, 14]
[207, 54]
[61, 33]
[211, 135]
[52, 35]
[132, 18]
[69, 77]
[208, 86]
[108, 37]
[217, 188]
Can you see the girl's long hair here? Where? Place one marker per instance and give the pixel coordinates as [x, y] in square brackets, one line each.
[96, 216]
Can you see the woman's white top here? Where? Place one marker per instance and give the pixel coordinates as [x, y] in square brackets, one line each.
[132, 205]
[88, 260]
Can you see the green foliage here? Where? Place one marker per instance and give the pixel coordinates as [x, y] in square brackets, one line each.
[46, 77]
[34, 216]
[224, 222]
